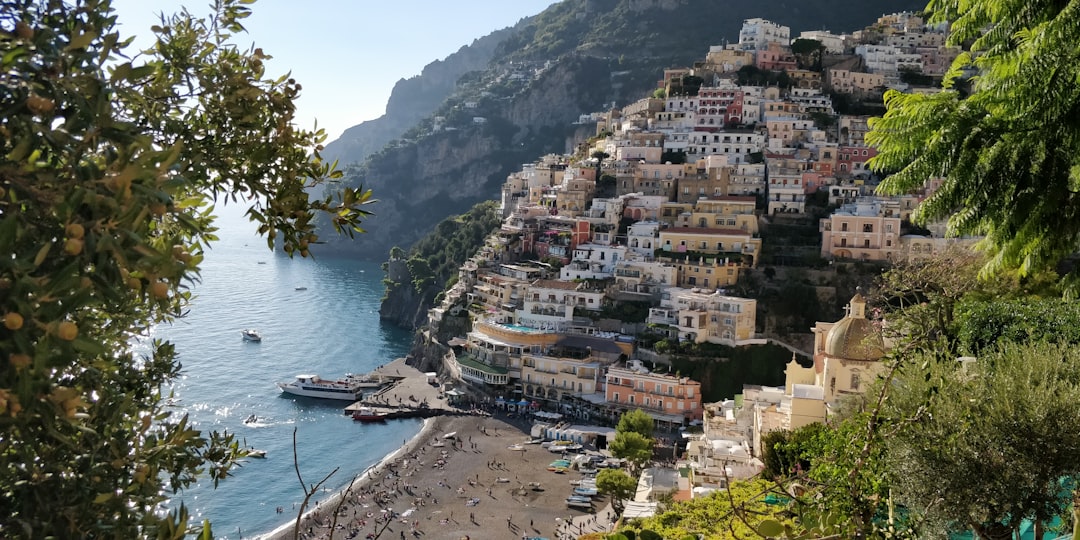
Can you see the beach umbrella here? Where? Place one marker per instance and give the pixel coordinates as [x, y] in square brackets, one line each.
[523, 403]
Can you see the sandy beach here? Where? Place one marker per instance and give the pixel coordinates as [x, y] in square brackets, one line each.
[471, 485]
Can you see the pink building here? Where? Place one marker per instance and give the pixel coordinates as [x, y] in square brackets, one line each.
[776, 57]
[666, 398]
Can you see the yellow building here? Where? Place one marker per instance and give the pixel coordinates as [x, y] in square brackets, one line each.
[847, 353]
[706, 273]
[847, 359]
[731, 243]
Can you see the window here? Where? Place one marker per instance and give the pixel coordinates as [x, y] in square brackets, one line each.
[868, 228]
[843, 227]
[855, 381]
[616, 396]
[843, 242]
[630, 400]
[866, 243]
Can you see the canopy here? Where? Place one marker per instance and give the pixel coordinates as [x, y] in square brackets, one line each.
[523, 403]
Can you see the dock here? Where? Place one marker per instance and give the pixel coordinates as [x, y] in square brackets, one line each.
[407, 394]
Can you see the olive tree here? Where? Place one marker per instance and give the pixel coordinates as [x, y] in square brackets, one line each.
[982, 445]
[110, 163]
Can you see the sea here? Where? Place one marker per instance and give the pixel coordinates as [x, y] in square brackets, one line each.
[316, 316]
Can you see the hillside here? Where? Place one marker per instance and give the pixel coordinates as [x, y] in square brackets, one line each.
[575, 57]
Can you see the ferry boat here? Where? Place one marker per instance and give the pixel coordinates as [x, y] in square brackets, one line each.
[350, 388]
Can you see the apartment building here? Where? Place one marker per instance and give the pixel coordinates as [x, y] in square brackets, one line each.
[867, 229]
[665, 397]
[706, 316]
[733, 243]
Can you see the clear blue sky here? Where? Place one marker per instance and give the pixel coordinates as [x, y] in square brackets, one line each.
[348, 54]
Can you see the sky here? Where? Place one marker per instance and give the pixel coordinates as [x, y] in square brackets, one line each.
[348, 54]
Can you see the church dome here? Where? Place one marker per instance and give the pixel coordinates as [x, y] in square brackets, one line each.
[855, 337]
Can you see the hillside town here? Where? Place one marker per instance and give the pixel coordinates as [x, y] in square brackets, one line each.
[665, 206]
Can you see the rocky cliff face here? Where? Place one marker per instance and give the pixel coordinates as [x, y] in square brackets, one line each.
[412, 100]
[403, 305]
[418, 183]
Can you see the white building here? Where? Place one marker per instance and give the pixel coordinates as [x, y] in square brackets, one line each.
[834, 44]
[737, 146]
[593, 261]
[757, 33]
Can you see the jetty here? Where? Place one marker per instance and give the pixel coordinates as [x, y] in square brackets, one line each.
[407, 393]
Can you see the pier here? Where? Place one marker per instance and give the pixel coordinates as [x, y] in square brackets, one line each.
[407, 394]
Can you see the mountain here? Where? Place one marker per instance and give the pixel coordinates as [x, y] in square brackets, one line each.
[413, 99]
[575, 57]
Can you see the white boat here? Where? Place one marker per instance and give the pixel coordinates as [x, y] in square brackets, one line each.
[349, 388]
[578, 503]
[257, 454]
[251, 334]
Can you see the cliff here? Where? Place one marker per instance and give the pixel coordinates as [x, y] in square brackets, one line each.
[575, 57]
[412, 100]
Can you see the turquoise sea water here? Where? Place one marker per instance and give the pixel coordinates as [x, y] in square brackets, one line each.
[330, 328]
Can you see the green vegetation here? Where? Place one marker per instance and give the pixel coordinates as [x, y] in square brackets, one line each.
[1006, 142]
[1004, 432]
[633, 447]
[434, 261]
[110, 163]
[722, 370]
[755, 76]
[617, 485]
[808, 53]
[455, 239]
[637, 421]
[747, 510]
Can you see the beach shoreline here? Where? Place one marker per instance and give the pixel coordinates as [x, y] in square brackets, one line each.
[467, 474]
[361, 482]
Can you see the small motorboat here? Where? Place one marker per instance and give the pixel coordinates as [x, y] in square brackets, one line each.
[258, 454]
[251, 334]
[367, 414]
[251, 419]
[301, 288]
[450, 435]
